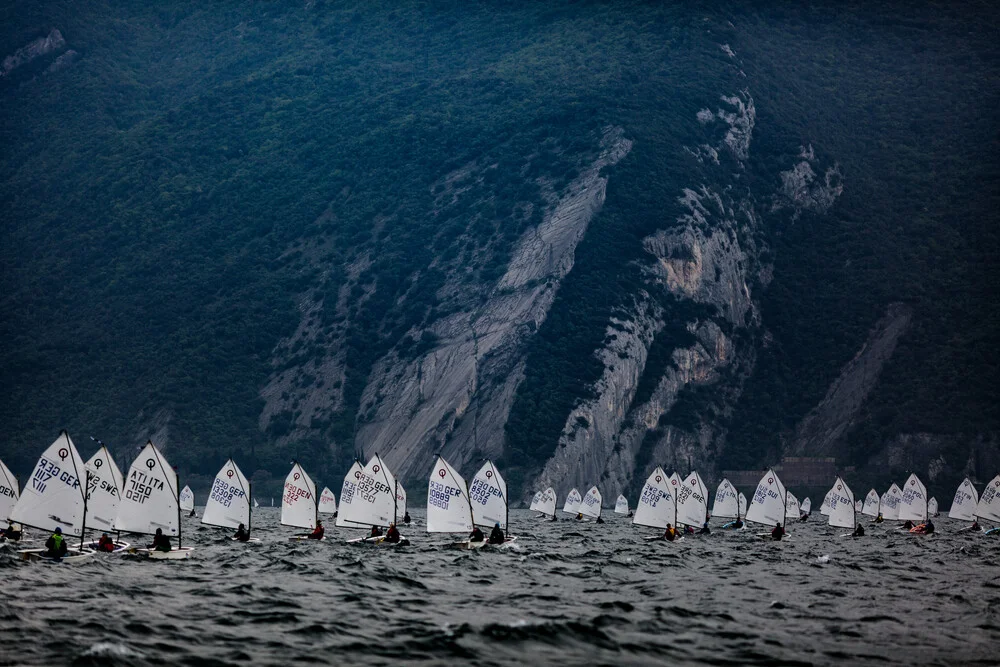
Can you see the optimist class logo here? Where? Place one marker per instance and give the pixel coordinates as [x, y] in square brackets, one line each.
[441, 472]
[63, 453]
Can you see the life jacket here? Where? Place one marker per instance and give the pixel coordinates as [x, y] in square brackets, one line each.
[57, 542]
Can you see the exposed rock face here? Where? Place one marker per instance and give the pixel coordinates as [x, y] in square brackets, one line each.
[820, 431]
[801, 191]
[52, 42]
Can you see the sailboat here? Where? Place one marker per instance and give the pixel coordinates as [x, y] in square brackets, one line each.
[842, 510]
[963, 505]
[375, 502]
[104, 495]
[401, 504]
[988, 508]
[768, 504]
[298, 503]
[187, 501]
[590, 505]
[621, 505]
[692, 501]
[228, 505]
[488, 495]
[742, 506]
[792, 507]
[55, 497]
[890, 502]
[327, 501]
[544, 502]
[255, 503]
[726, 504]
[10, 491]
[806, 507]
[572, 504]
[872, 504]
[657, 504]
[347, 492]
[932, 507]
[824, 509]
[449, 509]
[151, 501]
[913, 503]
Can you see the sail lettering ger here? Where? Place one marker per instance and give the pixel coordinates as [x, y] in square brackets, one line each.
[440, 495]
[293, 493]
[142, 485]
[481, 492]
[224, 493]
[368, 488]
[47, 470]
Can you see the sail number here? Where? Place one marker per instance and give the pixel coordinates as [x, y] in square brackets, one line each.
[481, 492]
[7, 491]
[440, 495]
[98, 483]
[141, 486]
[347, 492]
[47, 471]
[223, 493]
[293, 493]
[652, 495]
[368, 489]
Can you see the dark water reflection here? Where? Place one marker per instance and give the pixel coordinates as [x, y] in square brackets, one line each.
[566, 593]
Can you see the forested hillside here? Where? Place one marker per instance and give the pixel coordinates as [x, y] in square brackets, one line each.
[580, 238]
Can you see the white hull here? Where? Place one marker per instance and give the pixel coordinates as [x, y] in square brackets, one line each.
[379, 541]
[177, 553]
[72, 556]
[305, 538]
[252, 539]
[661, 538]
[119, 547]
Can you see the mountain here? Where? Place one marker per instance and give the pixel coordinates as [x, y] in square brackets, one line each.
[582, 239]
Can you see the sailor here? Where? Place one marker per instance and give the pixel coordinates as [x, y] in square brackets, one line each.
[392, 535]
[859, 531]
[12, 532]
[376, 532]
[804, 516]
[317, 533]
[242, 534]
[777, 532]
[192, 512]
[56, 545]
[705, 530]
[671, 534]
[878, 519]
[908, 525]
[105, 544]
[928, 527]
[738, 523]
[406, 517]
[579, 516]
[631, 514]
[161, 542]
[975, 525]
[477, 535]
[496, 535]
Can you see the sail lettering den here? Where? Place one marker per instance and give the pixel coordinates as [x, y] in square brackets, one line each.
[481, 492]
[293, 493]
[47, 470]
[142, 485]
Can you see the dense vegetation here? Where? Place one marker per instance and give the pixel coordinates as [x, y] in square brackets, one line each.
[153, 191]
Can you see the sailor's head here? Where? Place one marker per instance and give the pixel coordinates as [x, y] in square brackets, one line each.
[104, 534]
[58, 530]
[159, 531]
[318, 523]
[242, 527]
[496, 525]
[668, 525]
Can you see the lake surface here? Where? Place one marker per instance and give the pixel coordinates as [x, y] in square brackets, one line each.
[565, 593]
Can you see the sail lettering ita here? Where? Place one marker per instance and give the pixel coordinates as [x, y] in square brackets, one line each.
[151, 502]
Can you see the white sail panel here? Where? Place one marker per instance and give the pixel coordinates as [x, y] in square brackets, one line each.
[9, 491]
[791, 506]
[872, 503]
[488, 495]
[824, 509]
[536, 501]
[228, 503]
[347, 493]
[53, 497]
[327, 501]
[545, 502]
[298, 501]
[841, 505]
[692, 501]
[591, 503]
[656, 506]
[104, 490]
[807, 506]
[572, 504]
[913, 503]
[768, 504]
[400, 502]
[963, 505]
[932, 507]
[726, 504]
[743, 505]
[186, 499]
[448, 508]
[149, 500]
[989, 503]
[374, 501]
[891, 501]
[621, 505]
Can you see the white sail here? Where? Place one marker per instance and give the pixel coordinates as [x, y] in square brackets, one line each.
[621, 505]
[545, 502]
[448, 508]
[989, 503]
[657, 505]
[536, 501]
[726, 504]
[255, 503]
[824, 509]
[228, 503]
[890, 502]
[104, 490]
[692, 501]
[298, 502]
[150, 497]
[913, 504]
[932, 507]
[857, 505]
[186, 499]
[53, 497]
[963, 505]
[572, 504]
[743, 505]
[841, 505]
[488, 495]
[591, 503]
[791, 506]
[768, 504]
[9, 491]
[347, 493]
[327, 501]
[374, 502]
[400, 502]
[872, 504]
[807, 506]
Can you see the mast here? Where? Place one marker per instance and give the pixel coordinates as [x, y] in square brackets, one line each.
[83, 526]
[395, 499]
[249, 506]
[177, 497]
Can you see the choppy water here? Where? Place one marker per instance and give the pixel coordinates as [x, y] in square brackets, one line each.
[568, 593]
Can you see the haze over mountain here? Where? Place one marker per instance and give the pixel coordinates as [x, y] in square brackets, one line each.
[580, 238]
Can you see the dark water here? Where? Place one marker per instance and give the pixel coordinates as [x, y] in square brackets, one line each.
[567, 593]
